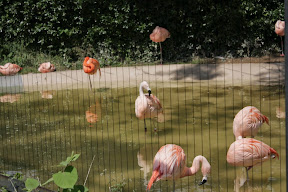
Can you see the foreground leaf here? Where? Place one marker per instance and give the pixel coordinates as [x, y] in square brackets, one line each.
[31, 184]
[66, 179]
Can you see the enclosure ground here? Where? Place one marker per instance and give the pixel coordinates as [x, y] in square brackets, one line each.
[220, 73]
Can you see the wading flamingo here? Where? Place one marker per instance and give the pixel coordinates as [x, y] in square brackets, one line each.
[248, 152]
[159, 35]
[247, 122]
[148, 105]
[10, 69]
[170, 164]
[46, 67]
[280, 30]
[90, 66]
[280, 113]
[9, 98]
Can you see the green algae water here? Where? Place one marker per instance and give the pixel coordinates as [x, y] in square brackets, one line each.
[40, 129]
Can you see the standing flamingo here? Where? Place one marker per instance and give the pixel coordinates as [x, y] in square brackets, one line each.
[148, 105]
[247, 122]
[10, 69]
[170, 164]
[280, 30]
[46, 67]
[159, 35]
[248, 152]
[90, 66]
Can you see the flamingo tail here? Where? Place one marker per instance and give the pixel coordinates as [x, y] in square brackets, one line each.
[265, 119]
[153, 178]
[273, 151]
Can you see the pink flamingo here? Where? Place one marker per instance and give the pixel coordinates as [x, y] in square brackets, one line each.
[159, 35]
[248, 152]
[46, 67]
[148, 105]
[247, 122]
[10, 69]
[170, 164]
[280, 30]
[90, 66]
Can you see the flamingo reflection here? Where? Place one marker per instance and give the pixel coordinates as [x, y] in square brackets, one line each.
[47, 94]
[9, 98]
[93, 114]
[145, 159]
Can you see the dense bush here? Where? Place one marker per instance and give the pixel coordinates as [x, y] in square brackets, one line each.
[118, 31]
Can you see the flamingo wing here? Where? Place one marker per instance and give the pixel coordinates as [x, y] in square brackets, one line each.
[249, 152]
[141, 107]
[153, 102]
[171, 161]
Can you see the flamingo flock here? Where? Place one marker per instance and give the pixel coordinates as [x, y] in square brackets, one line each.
[170, 161]
[249, 152]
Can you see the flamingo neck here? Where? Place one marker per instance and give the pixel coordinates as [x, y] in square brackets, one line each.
[141, 91]
[188, 171]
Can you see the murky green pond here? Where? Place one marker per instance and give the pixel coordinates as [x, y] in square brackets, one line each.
[40, 129]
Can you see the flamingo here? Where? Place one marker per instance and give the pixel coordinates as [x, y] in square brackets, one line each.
[248, 152]
[170, 164]
[90, 66]
[247, 122]
[148, 105]
[280, 30]
[9, 98]
[280, 113]
[10, 69]
[159, 35]
[46, 67]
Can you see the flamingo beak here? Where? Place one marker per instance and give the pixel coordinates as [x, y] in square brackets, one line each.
[149, 91]
[204, 180]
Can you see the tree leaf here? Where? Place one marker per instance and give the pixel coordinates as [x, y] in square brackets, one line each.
[31, 184]
[66, 179]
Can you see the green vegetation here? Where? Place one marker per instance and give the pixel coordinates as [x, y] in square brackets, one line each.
[119, 187]
[65, 180]
[117, 32]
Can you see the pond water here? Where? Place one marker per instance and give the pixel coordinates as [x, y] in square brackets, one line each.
[40, 129]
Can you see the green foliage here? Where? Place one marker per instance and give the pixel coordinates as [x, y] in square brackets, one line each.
[73, 157]
[119, 187]
[118, 31]
[65, 180]
[31, 184]
[3, 189]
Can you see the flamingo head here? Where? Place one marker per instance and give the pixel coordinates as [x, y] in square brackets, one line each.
[204, 180]
[145, 85]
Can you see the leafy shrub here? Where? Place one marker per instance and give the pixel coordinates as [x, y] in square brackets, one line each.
[118, 31]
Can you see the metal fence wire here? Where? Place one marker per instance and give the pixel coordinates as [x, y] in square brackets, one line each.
[169, 127]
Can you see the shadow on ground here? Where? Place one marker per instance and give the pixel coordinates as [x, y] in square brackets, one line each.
[198, 72]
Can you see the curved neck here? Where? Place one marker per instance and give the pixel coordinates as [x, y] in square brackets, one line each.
[188, 171]
[141, 90]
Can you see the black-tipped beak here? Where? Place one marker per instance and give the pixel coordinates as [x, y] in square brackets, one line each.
[149, 91]
[203, 181]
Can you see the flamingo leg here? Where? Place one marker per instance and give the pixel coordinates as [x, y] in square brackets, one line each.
[282, 54]
[173, 185]
[90, 82]
[145, 125]
[247, 169]
[160, 52]
[155, 129]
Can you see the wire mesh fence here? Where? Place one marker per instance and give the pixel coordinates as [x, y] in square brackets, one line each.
[44, 117]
